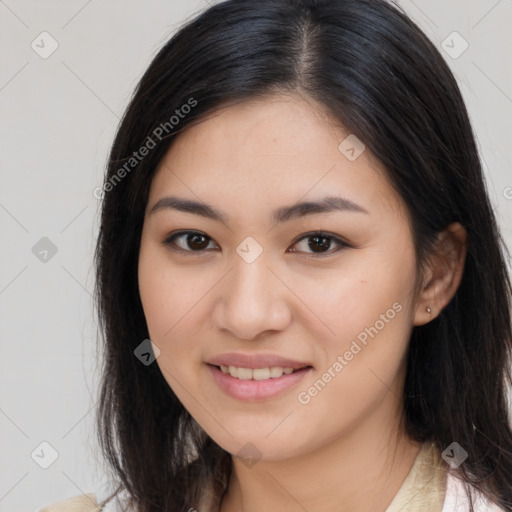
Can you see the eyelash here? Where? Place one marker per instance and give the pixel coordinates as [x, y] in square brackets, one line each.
[169, 242]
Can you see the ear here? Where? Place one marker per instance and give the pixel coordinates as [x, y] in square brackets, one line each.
[443, 274]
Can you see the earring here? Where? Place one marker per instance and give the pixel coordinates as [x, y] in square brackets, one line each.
[429, 311]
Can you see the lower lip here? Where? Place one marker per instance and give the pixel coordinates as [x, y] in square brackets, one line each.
[255, 390]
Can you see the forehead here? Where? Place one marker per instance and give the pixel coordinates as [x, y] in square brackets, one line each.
[281, 148]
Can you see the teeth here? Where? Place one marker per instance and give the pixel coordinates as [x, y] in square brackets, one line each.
[272, 372]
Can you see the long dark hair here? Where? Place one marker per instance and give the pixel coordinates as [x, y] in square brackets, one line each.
[382, 78]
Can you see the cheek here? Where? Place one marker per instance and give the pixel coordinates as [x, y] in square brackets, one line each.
[367, 305]
[355, 294]
[157, 292]
[167, 294]
[360, 364]
[173, 307]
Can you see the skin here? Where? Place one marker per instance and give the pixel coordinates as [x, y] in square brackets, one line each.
[345, 450]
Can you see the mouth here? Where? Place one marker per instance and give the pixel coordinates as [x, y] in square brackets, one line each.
[269, 372]
[266, 373]
[256, 384]
[256, 376]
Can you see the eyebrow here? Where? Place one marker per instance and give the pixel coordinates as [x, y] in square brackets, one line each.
[326, 204]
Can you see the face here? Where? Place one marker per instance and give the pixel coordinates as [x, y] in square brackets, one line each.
[325, 289]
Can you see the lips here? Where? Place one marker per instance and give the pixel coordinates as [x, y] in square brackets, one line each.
[256, 361]
[256, 390]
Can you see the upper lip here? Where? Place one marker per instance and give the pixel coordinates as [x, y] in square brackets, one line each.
[256, 361]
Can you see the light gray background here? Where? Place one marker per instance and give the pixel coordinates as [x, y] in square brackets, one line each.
[58, 118]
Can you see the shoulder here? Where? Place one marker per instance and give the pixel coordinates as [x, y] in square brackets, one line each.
[456, 498]
[81, 503]
[101, 501]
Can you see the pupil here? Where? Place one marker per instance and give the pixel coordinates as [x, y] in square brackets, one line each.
[194, 241]
[323, 244]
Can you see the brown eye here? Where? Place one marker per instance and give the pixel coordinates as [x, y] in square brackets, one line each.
[190, 241]
[320, 243]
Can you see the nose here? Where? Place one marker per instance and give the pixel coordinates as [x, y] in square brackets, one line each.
[252, 301]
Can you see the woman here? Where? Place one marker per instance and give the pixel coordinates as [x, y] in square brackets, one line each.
[246, 369]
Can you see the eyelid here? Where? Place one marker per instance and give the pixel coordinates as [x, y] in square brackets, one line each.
[342, 243]
[169, 241]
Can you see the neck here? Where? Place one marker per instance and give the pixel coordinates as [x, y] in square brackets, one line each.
[360, 470]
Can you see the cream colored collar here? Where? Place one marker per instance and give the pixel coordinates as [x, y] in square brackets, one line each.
[424, 488]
